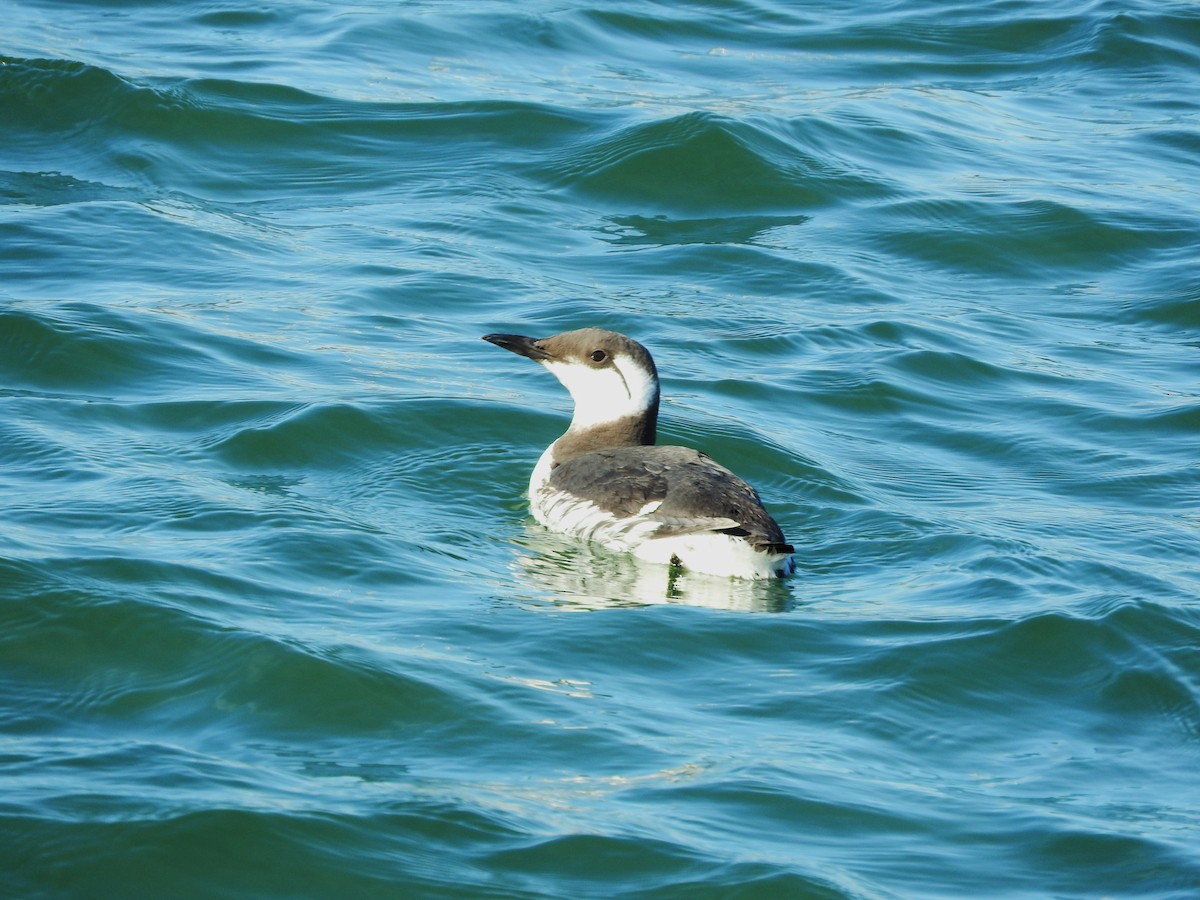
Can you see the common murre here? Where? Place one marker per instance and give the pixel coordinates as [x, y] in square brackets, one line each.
[606, 480]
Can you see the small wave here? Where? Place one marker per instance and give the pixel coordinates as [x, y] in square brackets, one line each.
[95, 351]
[697, 162]
[645, 863]
[82, 348]
[1023, 239]
[62, 96]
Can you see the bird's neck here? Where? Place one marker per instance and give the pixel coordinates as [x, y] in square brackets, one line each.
[628, 431]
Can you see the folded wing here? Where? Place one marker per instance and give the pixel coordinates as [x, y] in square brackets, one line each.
[681, 490]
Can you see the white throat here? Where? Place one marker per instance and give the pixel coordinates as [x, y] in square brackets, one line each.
[617, 391]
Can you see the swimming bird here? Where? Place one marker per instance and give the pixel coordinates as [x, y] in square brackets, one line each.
[607, 480]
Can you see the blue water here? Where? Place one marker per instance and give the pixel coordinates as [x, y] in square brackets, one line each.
[274, 620]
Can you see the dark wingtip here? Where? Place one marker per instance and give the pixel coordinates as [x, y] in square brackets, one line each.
[775, 548]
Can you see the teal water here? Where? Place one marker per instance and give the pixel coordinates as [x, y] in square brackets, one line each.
[274, 621]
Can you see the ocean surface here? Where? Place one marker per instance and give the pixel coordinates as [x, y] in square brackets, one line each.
[274, 619]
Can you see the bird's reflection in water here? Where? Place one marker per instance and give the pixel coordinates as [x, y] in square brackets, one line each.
[567, 573]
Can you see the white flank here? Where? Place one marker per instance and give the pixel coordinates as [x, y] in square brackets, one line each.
[715, 554]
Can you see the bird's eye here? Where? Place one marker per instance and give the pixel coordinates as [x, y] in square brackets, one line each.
[599, 356]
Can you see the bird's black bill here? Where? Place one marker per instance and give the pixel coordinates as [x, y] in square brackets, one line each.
[519, 344]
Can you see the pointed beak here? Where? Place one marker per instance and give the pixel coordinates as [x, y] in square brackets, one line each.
[518, 344]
